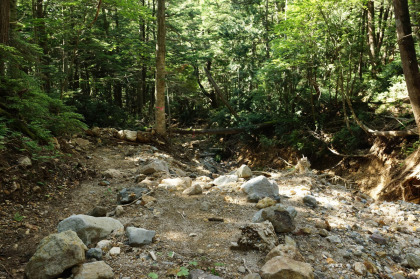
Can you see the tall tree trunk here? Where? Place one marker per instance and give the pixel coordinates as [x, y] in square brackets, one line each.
[160, 70]
[408, 55]
[4, 31]
[371, 34]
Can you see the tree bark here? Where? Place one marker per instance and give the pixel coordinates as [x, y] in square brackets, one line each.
[160, 70]
[408, 55]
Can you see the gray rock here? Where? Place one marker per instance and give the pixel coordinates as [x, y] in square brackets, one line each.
[112, 173]
[193, 190]
[310, 201]
[128, 195]
[413, 260]
[359, 268]
[98, 211]
[377, 238]
[199, 274]
[155, 166]
[93, 270]
[257, 236]
[25, 161]
[259, 188]
[139, 236]
[244, 171]
[283, 250]
[280, 217]
[252, 276]
[334, 239]
[94, 253]
[225, 179]
[90, 229]
[119, 211]
[55, 253]
[281, 267]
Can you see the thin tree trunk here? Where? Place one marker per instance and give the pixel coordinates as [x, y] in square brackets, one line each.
[160, 70]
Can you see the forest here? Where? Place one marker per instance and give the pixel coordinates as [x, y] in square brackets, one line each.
[320, 76]
[209, 139]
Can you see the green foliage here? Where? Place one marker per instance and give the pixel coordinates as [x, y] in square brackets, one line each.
[99, 113]
[153, 275]
[348, 140]
[183, 272]
[3, 132]
[17, 217]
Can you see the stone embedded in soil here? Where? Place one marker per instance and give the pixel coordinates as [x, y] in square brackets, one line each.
[94, 253]
[359, 268]
[265, 202]
[55, 253]
[114, 251]
[119, 211]
[138, 236]
[98, 211]
[104, 245]
[257, 236]
[413, 260]
[25, 161]
[260, 187]
[279, 268]
[176, 184]
[128, 195]
[199, 274]
[93, 270]
[284, 250]
[112, 173]
[155, 165]
[377, 238]
[244, 171]
[334, 239]
[90, 229]
[252, 276]
[225, 179]
[193, 190]
[310, 201]
[280, 217]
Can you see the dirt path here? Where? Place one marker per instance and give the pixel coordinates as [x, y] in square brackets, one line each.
[345, 228]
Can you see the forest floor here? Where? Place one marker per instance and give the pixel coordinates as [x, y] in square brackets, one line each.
[348, 235]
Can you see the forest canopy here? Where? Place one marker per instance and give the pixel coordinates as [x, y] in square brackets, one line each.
[320, 67]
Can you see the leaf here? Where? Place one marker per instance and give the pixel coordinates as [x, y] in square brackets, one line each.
[183, 271]
[153, 275]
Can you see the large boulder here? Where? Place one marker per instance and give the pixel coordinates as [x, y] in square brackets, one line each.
[257, 236]
[155, 166]
[286, 268]
[56, 253]
[259, 188]
[93, 270]
[90, 229]
[128, 195]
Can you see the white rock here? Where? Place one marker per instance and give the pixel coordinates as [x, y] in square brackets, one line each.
[130, 135]
[225, 179]
[176, 184]
[115, 251]
[193, 190]
[244, 171]
[155, 166]
[359, 268]
[259, 188]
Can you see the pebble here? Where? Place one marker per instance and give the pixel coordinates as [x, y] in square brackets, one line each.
[242, 269]
[377, 238]
[115, 251]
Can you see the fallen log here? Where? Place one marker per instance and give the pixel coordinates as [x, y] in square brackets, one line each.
[222, 131]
